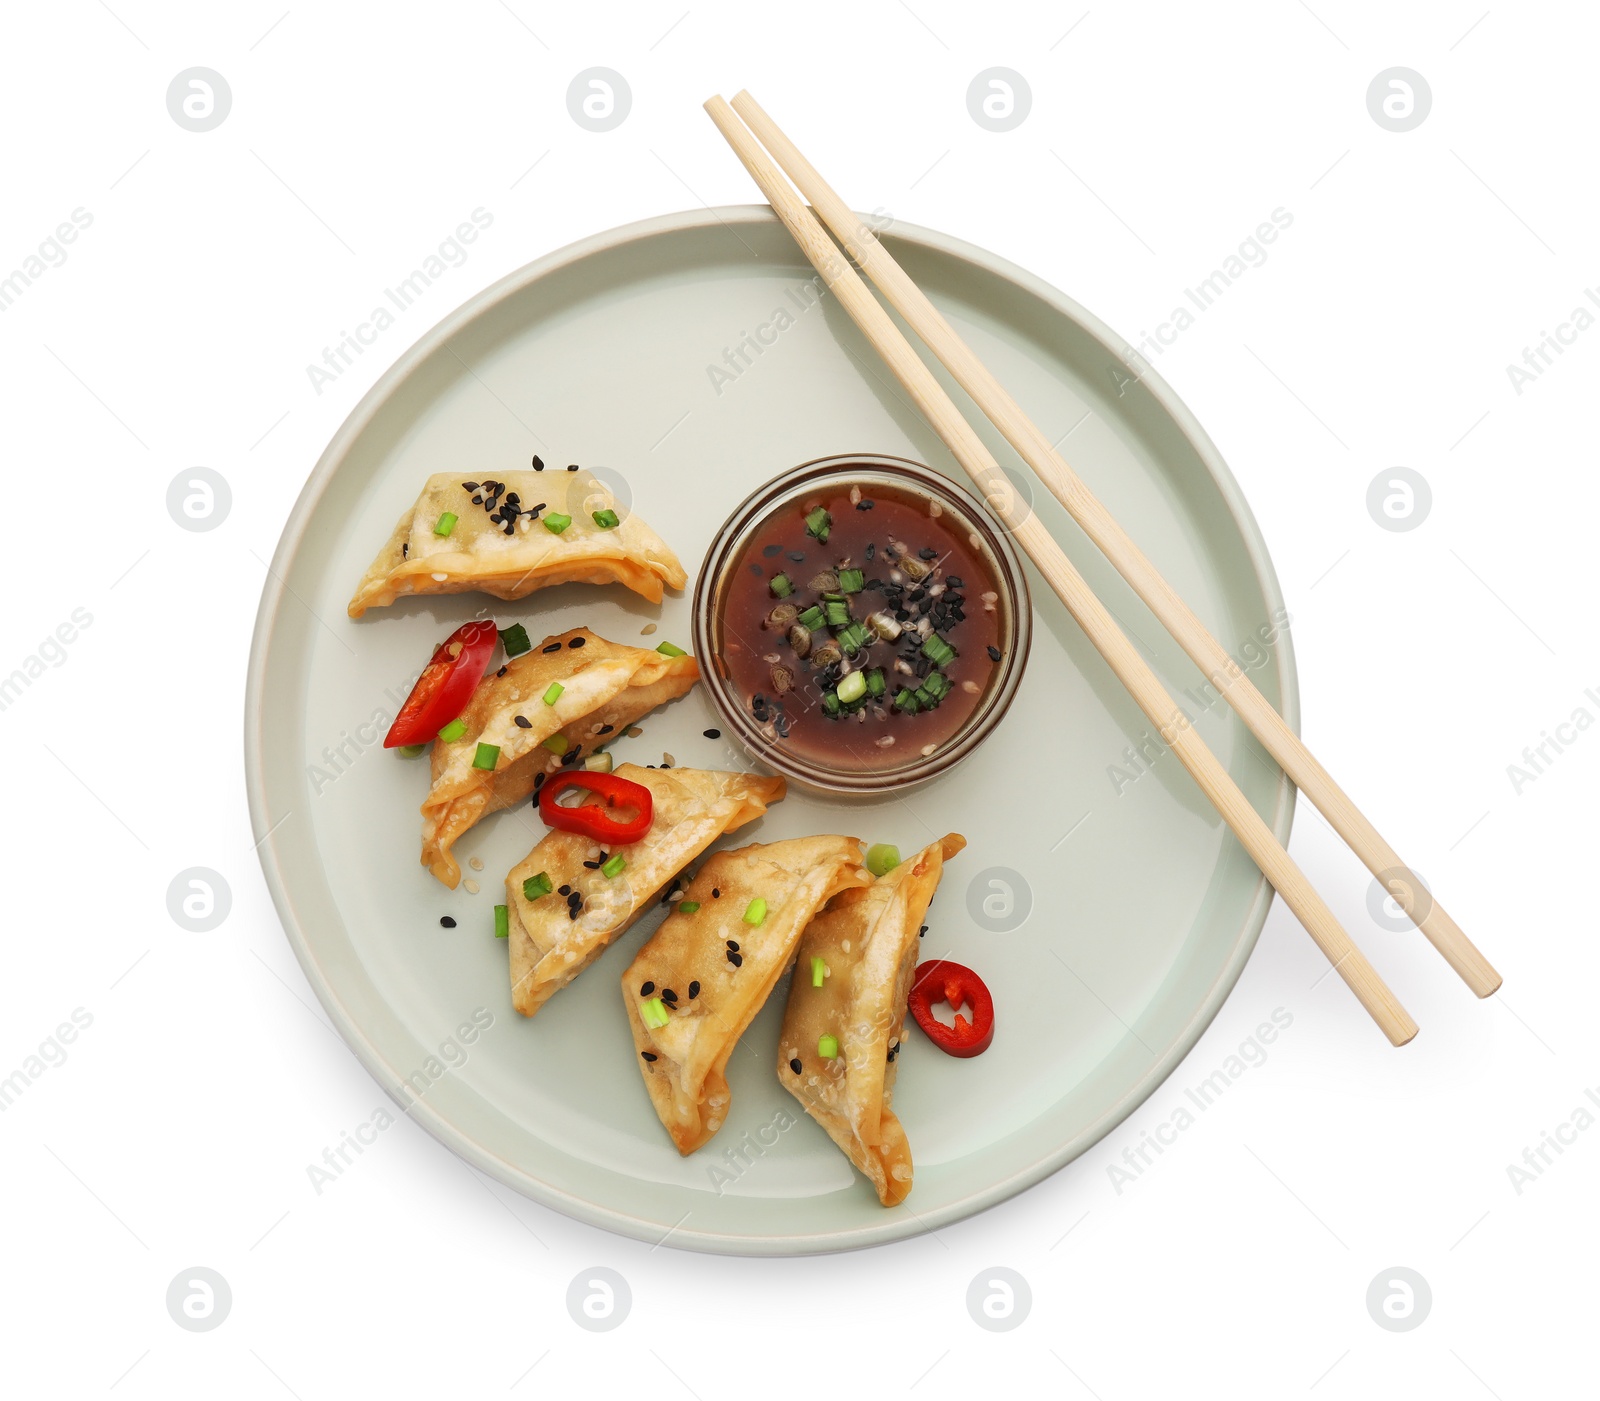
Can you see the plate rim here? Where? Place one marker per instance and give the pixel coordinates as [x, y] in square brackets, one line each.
[275, 590]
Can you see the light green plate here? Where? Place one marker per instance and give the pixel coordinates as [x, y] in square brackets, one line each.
[1101, 898]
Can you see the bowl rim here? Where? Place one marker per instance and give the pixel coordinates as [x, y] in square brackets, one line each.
[1011, 582]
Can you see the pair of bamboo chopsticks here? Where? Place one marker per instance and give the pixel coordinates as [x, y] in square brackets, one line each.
[758, 131]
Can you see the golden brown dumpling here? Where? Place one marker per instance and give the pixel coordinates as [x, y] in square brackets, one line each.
[694, 987]
[500, 544]
[607, 687]
[867, 941]
[554, 938]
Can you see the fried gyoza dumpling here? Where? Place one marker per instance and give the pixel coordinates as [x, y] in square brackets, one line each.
[499, 541]
[605, 688]
[554, 937]
[867, 941]
[694, 987]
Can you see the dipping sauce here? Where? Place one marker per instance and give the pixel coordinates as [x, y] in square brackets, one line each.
[861, 625]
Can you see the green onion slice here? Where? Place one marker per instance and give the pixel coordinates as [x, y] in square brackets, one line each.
[851, 580]
[454, 730]
[837, 613]
[502, 921]
[614, 867]
[553, 692]
[937, 650]
[654, 1013]
[755, 911]
[487, 757]
[556, 744]
[538, 885]
[852, 688]
[882, 857]
[780, 585]
[819, 971]
[876, 682]
[410, 751]
[688, 907]
[828, 1047]
[555, 522]
[670, 649]
[818, 522]
[600, 762]
[515, 640]
[446, 523]
[606, 519]
[812, 618]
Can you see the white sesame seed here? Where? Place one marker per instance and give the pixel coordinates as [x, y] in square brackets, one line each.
[476, 863]
[927, 749]
[440, 578]
[647, 629]
[472, 886]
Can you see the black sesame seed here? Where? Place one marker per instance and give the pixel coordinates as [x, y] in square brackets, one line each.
[713, 734]
[872, 549]
[593, 865]
[668, 995]
[954, 581]
[538, 463]
[577, 641]
[694, 988]
[865, 504]
[756, 570]
[572, 466]
[538, 781]
[573, 911]
[922, 931]
[405, 549]
[917, 595]
[648, 1055]
[927, 552]
[798, 556]
[469, 486]
[994, 654]
[716, 894]
[647, 989]
[447, 922]
[772, 551]
[571, 756]
[522, 722]
[563, 890]
[477, 500]
[553, 647]
[795, 1065]
[607, 729]
[503, 670]
[734, 945]
[736, 959]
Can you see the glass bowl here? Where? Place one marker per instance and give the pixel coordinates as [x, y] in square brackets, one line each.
[721, 574]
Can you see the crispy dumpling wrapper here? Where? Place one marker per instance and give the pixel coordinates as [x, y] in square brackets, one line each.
[607, 687]
[549, 944]
[479, 555]
[867, 938]
[710, 990]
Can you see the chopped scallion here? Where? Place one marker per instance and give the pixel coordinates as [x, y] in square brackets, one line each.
[851, 580]
[654, 1013]
[556, 744]
[453, 731]
[755, 911]
[538, 885]
[876, 682]
[502, 921]
[780, 585]
[552, 692]
[487, 757]
[606, 519]
[598, 763]
[852, 688]
[812, 618]
[555, 522]
[837, 613]
[906, 701]
[688, 907]
[670, 649]
[937, 650]
[615, 866]
[852, 638]
[445, 524]
[831, 704]
[828, 1047]
[818, 522]
[515, 640]
[410, 751]
[882, 857]
[819, 971]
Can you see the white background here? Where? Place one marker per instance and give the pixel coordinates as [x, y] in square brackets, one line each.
[176, 334]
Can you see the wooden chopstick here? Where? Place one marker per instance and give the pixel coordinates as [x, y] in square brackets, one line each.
[1175, 728]
[1208, 654]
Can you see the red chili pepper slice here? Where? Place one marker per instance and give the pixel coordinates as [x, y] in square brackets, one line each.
[599, 820]
[445, 686]
[941, 981]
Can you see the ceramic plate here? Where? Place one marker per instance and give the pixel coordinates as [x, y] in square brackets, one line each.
[1104, 902]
